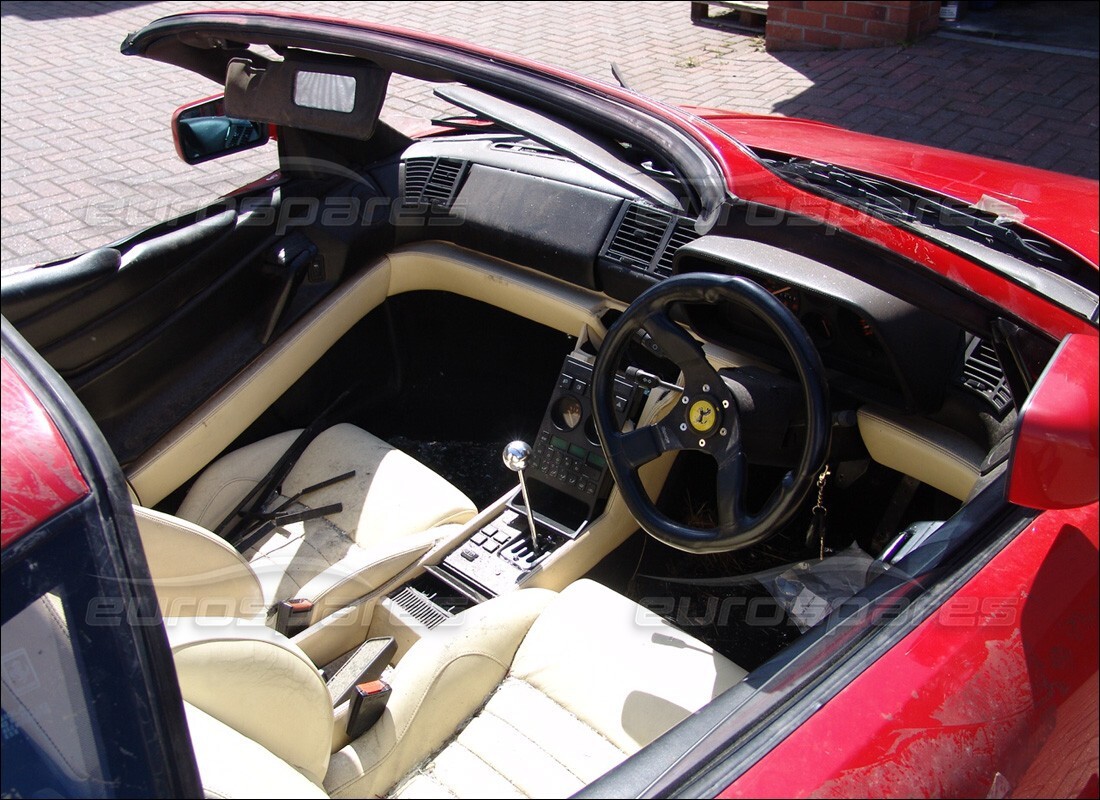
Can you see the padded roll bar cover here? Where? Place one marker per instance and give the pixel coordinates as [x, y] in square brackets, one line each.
[266, 94]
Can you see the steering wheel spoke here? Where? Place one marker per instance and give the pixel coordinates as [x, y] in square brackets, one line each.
[731, 492]
[676, 344]
[640, 446]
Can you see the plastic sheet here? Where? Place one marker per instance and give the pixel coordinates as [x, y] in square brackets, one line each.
[810, 590]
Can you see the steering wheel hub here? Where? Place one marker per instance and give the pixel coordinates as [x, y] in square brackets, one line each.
[703, 416]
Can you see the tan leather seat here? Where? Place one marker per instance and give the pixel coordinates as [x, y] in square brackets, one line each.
[394, 511]
[232, 765]
[534, 693]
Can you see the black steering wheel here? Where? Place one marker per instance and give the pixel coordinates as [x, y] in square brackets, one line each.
[707, 417]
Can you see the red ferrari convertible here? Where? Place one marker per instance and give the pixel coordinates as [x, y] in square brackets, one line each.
[562, 443]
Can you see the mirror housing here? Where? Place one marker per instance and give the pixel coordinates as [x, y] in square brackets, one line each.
[1056, 452]
[202, 131]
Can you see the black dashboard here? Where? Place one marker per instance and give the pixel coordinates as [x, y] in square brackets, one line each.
[507, 196]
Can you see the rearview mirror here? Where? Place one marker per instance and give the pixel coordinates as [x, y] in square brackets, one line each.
[203, 132]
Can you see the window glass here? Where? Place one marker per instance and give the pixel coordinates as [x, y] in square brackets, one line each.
[49, 744]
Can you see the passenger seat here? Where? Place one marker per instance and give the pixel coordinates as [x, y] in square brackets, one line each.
[393, 510]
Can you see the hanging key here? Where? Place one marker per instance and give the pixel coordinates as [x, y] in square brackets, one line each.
[819, 512]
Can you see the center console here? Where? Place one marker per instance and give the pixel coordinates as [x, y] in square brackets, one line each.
[568, 478]
[568, 483]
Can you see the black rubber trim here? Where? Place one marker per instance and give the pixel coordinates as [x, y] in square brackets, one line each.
[27, 293]
[1060, 291]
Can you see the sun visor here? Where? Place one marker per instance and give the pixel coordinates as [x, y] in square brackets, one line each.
[310, 91]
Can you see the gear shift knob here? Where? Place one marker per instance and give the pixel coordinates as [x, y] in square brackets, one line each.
[516, 454]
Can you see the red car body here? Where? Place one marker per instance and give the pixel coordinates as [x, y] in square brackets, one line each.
[994, 693]
[40, 477]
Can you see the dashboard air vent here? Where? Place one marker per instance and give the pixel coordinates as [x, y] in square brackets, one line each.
[982, 373]
[646, 239]
[683, 233]
[433, 180]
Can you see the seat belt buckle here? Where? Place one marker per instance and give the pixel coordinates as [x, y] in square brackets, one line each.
[292, 616]
[367, 663]
[368, 701]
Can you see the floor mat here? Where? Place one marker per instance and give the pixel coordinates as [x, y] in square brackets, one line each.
[474, 467]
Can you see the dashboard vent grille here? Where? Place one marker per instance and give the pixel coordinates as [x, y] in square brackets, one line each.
[982, 373]
[683, 233]
[432, 180]
[417, 172]
[646, 239]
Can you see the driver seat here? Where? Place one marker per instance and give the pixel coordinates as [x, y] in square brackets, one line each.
[534, 693]
[393, 510]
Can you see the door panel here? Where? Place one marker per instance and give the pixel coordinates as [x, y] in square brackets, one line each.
[144, 330]
[88, 324]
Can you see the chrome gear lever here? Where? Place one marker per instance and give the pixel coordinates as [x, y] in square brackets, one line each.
[516, 455]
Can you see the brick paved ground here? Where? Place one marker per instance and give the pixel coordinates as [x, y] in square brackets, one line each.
[86, 154]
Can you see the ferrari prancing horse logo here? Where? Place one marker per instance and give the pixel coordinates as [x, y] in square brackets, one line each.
[702, 415]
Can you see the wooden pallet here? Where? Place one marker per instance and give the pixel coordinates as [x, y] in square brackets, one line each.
[747, 16]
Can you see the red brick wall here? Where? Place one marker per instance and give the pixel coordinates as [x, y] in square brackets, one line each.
[847, 24]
